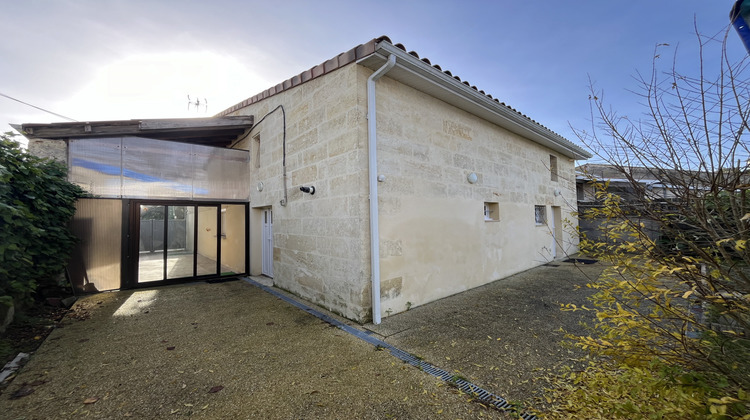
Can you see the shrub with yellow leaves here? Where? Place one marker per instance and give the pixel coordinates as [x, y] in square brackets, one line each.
[671, 339]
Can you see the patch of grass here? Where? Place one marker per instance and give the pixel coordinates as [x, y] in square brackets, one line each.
[455, 378]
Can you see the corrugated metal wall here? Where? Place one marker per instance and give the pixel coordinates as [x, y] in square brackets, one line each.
[97, 259]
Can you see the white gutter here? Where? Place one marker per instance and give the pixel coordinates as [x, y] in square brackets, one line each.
[372, 141]
[423, 77]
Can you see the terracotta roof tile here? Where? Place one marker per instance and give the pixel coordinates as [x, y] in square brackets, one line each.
[364, 50]
[318, 70]
[341, 60]
[331, 65]
[349, 57]
[306, 76]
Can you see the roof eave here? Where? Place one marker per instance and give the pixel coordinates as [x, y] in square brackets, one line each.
[219, 131]
[414, 72]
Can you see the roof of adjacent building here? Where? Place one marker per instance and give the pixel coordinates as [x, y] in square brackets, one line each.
[420, 73]
[603, 171]
[621, 173]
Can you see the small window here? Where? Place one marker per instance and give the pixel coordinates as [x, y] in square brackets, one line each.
[540, 215]
[491, 212]
[553, 167]
[256, 151]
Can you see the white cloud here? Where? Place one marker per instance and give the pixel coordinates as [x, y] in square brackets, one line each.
[158, 85]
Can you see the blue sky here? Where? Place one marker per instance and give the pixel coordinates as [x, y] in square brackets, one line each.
[104, 59]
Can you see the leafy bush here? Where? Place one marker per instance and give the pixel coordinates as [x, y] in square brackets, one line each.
[36, 203]
[611, 391]
[672, 332]
[652, 352]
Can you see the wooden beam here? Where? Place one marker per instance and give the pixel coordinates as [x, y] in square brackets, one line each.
[79, 130]
[193, 123]
[220, 130]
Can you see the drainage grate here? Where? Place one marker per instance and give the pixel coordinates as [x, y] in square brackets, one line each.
[460, 383]
[580, 261]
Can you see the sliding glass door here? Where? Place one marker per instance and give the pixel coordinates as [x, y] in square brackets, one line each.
[207, 253]
[182, 241]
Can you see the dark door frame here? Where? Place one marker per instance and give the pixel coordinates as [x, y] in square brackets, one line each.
[131, 240]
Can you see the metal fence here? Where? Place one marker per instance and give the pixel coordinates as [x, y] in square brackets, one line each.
[152, 235]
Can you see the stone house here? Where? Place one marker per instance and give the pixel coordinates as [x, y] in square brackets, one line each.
[372, 183]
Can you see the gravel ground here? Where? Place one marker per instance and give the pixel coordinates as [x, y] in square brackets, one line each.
[217, 351]
[231, 350]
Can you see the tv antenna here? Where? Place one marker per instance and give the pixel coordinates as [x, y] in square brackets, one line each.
[197, 103]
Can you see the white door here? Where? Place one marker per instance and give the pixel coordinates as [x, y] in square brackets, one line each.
[267, 249]
[557, 232]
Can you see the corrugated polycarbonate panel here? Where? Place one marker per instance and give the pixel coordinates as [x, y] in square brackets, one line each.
[220, 173]
[95, 166]
[156, 169]
[96, 260]
[134, 167]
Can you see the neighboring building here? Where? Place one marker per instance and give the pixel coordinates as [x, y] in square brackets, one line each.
[465, 190]
[633, 186]
[646, 182]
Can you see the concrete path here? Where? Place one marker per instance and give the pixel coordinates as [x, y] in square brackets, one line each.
[504, 336]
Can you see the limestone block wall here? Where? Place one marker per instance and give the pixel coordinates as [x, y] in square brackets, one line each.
[434, 238]
[321, 245]
[49, 149]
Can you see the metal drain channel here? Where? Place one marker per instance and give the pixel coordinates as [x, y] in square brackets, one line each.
[462, 384]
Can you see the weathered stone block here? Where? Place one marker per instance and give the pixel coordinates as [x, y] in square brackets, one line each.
[391, 288]
[457, 129]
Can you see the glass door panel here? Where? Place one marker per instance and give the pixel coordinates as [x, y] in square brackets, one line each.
[184, 240]
[151, 243]
[180, 234]
[207, 243]
[232, 239]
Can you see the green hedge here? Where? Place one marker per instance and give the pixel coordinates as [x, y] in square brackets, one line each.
[36, 204]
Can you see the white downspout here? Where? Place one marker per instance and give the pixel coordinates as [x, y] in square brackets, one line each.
[555, 239]
[372, 141]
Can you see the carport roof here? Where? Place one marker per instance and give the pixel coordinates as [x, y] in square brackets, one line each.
[214, 131]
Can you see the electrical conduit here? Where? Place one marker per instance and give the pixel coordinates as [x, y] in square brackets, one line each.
[372, 141]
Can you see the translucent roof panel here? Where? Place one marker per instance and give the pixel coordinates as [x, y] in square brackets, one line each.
[135, 167]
